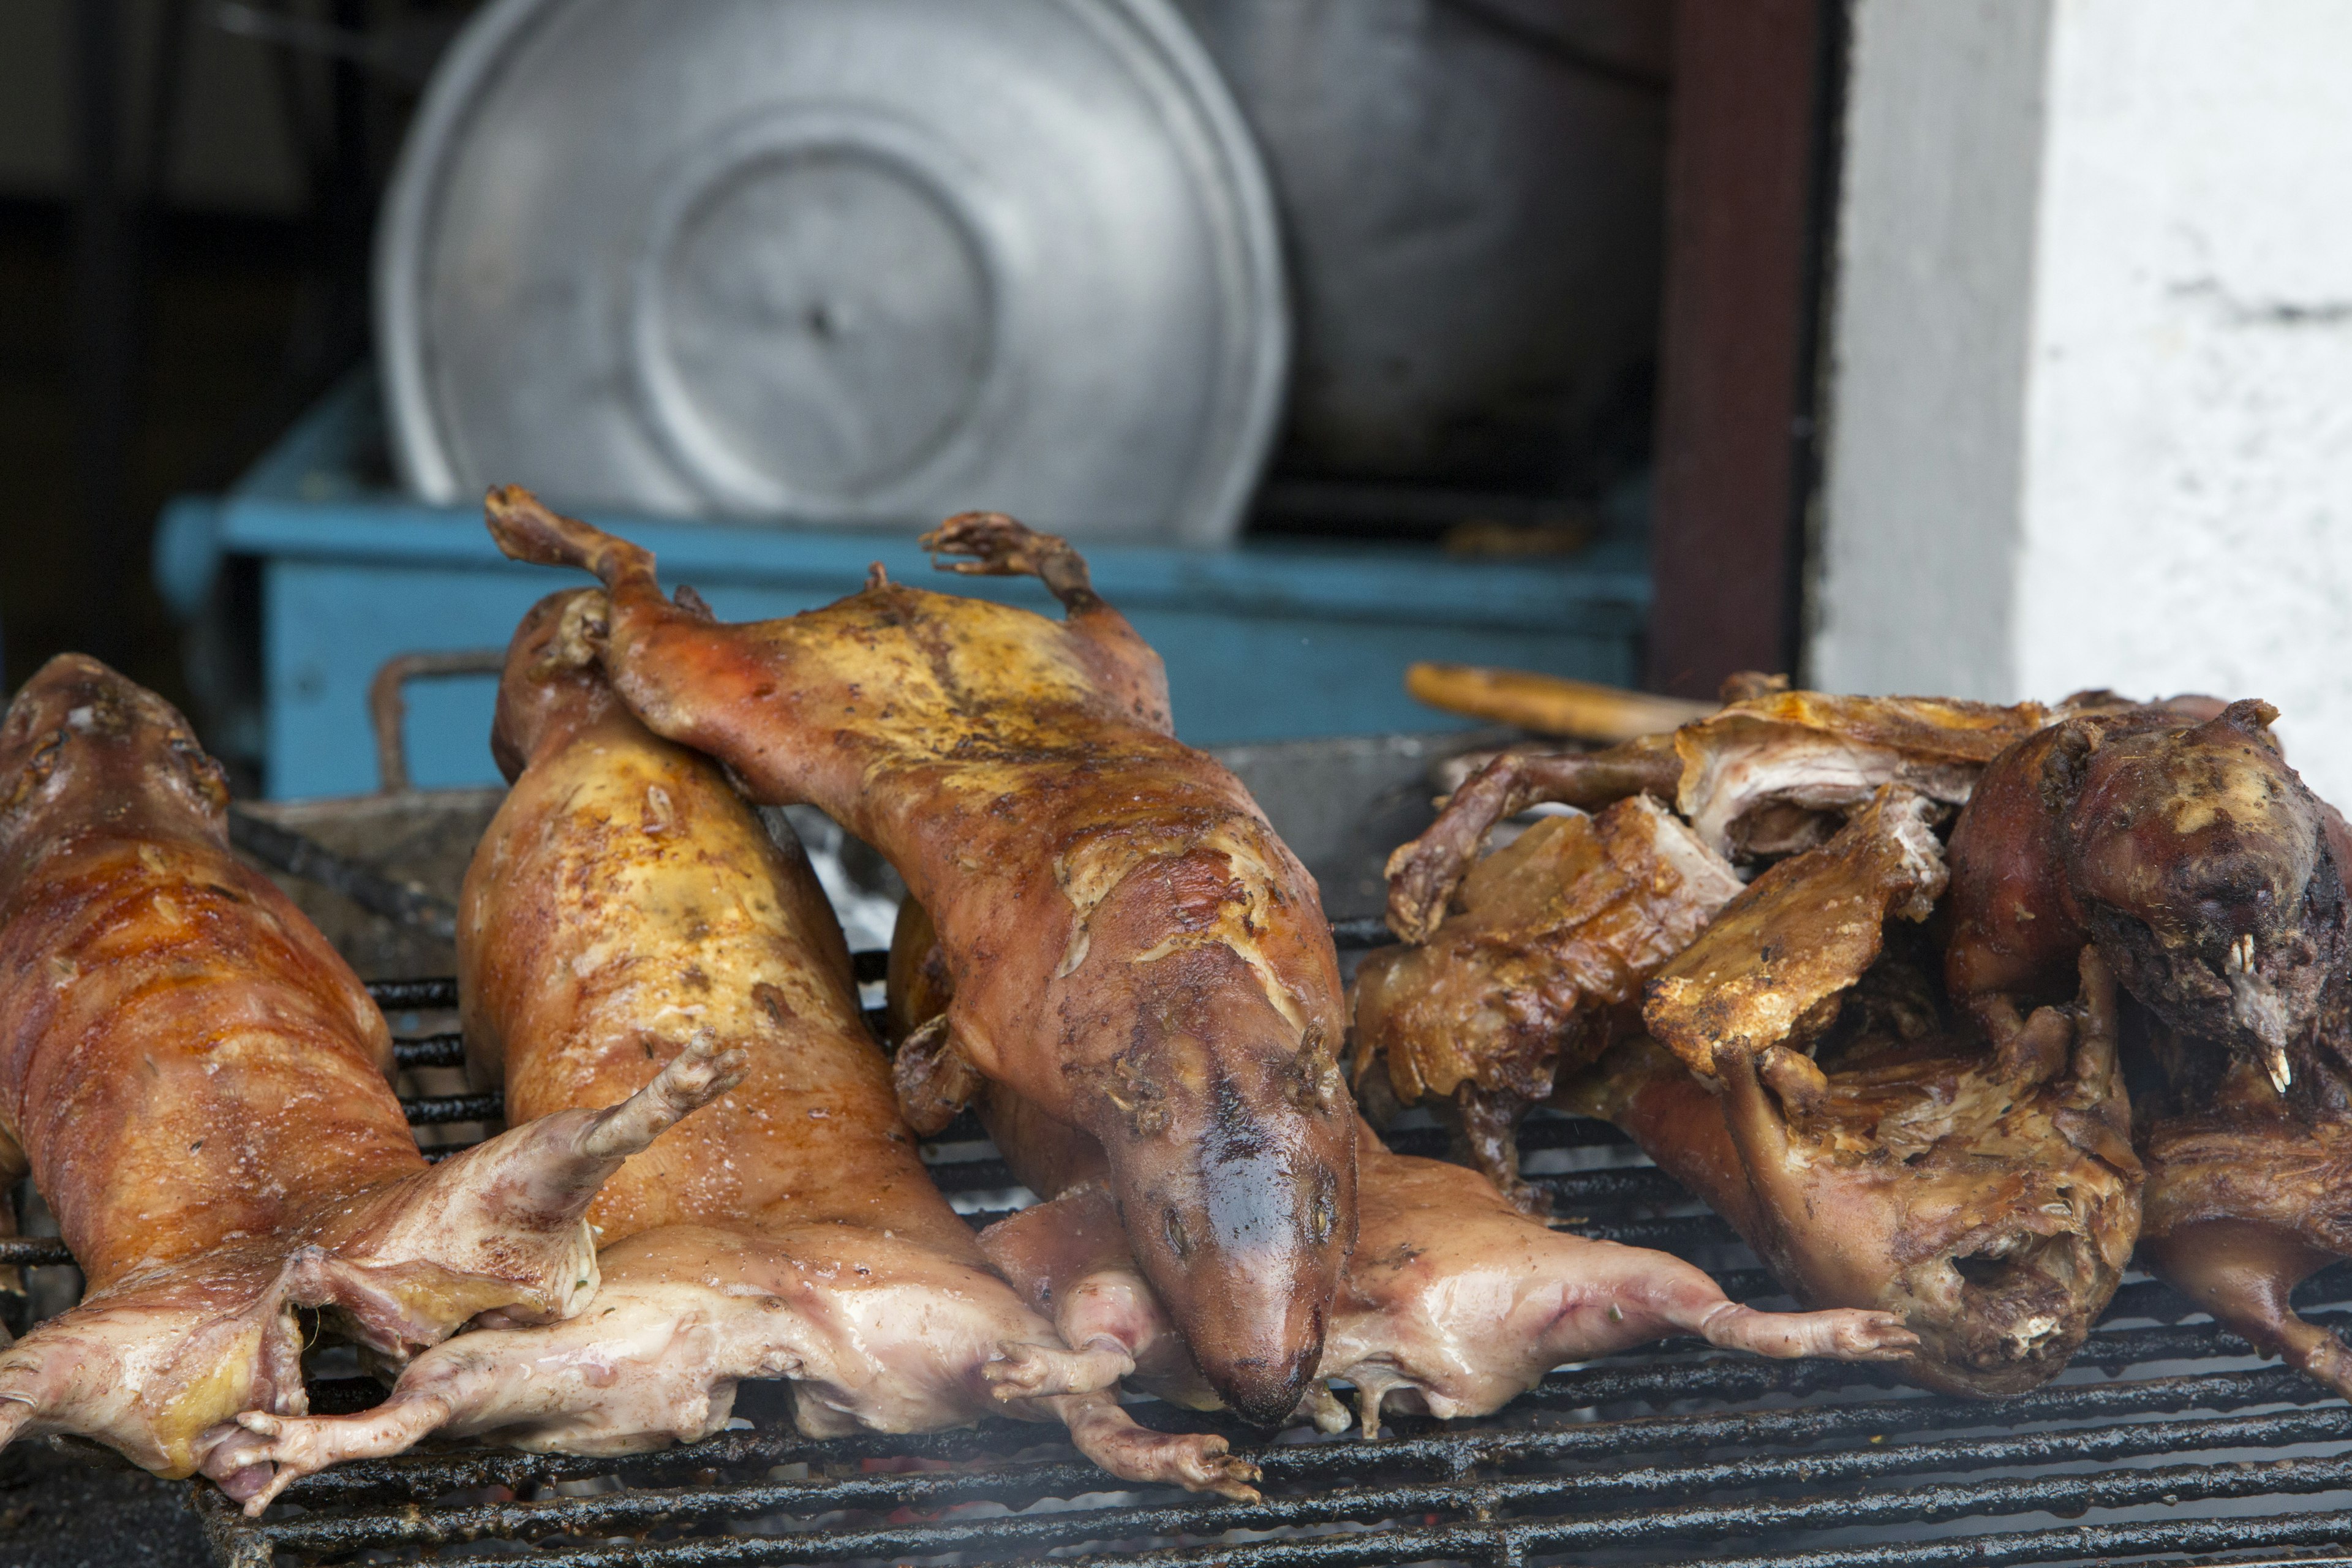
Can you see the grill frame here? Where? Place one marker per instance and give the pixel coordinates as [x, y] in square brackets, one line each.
[1666, 1455]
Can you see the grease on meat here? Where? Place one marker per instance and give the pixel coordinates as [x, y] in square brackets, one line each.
[1537, 967]
[198, 1084]
[1131, 944]
[625, 903]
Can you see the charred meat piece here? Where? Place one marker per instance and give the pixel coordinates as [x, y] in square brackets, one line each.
[1994, 1219]
[626, 901]
[2185, 847]
[1131, 945]
[1453, 1304]
[2247, 1188]
[1770, 775]
[1542, 957]
[1810, 1089]
[1769, 976]
[198, 1084]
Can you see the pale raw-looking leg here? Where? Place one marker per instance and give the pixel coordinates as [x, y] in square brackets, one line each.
[1023, 1371]
[138, 1369]
[1197, 1461]
[2244, 1273]
[651, 1363]
[1468, 1351]
[1069, 1258]
[1615, 1296]
[270, 1453]
[513, 1206]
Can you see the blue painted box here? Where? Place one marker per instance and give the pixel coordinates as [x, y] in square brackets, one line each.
[1263, 640]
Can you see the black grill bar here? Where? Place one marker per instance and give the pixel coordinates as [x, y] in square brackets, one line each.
[298, 854]
[621, 1511]
[430, 1051]
[439, 1109]
[1026, 1536]
[32, 1251]
[417, 1477]
[1673, 1453]
[2099, 1542]
[413, 996]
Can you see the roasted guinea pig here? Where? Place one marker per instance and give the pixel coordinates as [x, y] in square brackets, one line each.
[1454, 1304]
[1131, 945]
[1453, 1298]
[1805, 1081]
[198, 1084]
[2180, 842]
[1537, 967]
[2186, 851]
[1768, 775]
[624, 902]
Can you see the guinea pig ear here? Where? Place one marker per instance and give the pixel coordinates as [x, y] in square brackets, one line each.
[2063, 765]
[580, 633]
[2250, 717]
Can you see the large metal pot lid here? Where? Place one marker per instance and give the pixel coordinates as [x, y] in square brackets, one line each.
[837, 260]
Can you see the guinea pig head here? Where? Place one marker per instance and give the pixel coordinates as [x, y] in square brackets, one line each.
[551, 687]
[2200, 864]
[1231, 1137]
[79, 732]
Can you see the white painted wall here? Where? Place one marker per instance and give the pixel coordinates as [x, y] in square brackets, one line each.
[2092, 358]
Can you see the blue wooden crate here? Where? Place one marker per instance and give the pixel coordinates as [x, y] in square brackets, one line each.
[1263, 640]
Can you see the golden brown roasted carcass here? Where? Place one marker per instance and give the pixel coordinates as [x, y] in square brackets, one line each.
[1131, 946]
[1806, 1083]
[2175, 841]
[1454, 1304]
[2179, 841]
[625, 900]
[1536, 968]
[199, 1085]
[1769, 775]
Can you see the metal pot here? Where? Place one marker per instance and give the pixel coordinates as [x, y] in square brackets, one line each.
[845, 260]
[1471, 196]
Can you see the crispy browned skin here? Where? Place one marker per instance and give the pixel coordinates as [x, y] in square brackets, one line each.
[1991, 1203]
[1771, 773]
[2185, 847]
[1131, 945]
[2250, 1190]
[198, 1083]
[624, 902]
[1547, 944]
[1769, 975]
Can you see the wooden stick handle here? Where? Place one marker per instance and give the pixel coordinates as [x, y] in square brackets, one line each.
[1550, 704]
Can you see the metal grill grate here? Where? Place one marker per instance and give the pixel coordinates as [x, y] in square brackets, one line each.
[2167, 1439]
